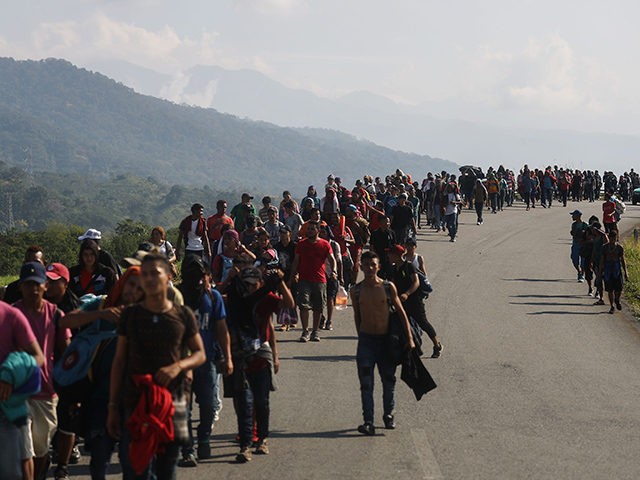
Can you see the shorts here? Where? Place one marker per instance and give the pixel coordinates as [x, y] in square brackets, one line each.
[43, 422]
[311, 295]
[332, 288]
[613, 285]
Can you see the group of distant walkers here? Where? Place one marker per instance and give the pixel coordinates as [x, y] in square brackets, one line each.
[116, 352]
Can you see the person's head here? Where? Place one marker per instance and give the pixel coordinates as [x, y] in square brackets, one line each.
[351, 211]
[156, 273]
[57, 282]
[311, 191]
[592, 219]
[230, 241]
[613, 236]
[251, 222]
[324, 232]
[266, 201]
[289, 207]
[251, 278]
[88, 257]
[246, 198]
[312, 230]
[314, 214]
[285, 235]
[385, 223]
[395, 253]
[272, 214]
[402, 198]
[330, 193]
[369, 264]
[34, 254]
[128, 289]
[576, 215]
[33, 280]
[410, 246]
[286, 195]
[262, 238]
[334, 218]
[197, 210]
[221, 207]
[157, 235]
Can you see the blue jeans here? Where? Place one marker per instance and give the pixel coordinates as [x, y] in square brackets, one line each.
[162, 467]
[452, 224]
[547, 196]
[254, 396]
[204, 386]
[437, 215]
[11, 451]
[372, 351]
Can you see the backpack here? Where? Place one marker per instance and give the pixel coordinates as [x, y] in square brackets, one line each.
[620, 206]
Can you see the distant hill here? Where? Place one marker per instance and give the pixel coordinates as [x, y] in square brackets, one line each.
[56, 117]
[434, 128]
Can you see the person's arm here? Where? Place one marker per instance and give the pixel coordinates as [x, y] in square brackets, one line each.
[115, 388]
[415, 284]
[178, 243]
[403, 316]
[287, 297]
[80, 318]
[332, 263]
[222, 335]
[338, 260]
[166, 374]
[355, 301]
[34, 349]
[274, 346]
[294, 269]
[623, 262]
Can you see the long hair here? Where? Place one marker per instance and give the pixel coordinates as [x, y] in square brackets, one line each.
[113, 299]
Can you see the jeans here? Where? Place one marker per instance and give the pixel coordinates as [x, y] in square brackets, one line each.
[493, 198]
[162, 467]
[101, 450]
[452, 224]
[254, 397]
[547, 196]
[372, 351]
[11, 451]
[437, 215]
[479, 207]
[204, 386]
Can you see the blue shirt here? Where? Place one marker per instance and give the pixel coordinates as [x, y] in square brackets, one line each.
[211, 310]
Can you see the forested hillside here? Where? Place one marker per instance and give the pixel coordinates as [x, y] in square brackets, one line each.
[56, 117]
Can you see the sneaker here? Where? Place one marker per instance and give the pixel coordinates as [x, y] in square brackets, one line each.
[367, 428]
[244, 455]
[314, 336]
[61, 473]
[580, 278]
[437, 350]
[188, 460]
[204, 451]
[611, 310]
[618, 305]
[304, 338]
[74, 458]
[590, 292]
[389, 422]
[262, 448]
[599, 302]
[322, 321]
[452, 239]
[328, 326]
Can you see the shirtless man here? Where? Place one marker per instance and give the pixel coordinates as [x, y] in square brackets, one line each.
[371, 314]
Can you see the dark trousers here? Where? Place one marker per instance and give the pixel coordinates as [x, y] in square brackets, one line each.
[254, 397]
[205, 378]
[372, 351]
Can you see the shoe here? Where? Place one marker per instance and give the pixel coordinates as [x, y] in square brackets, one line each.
[437, 350]
[452, 240]
[389, 422]
[322, 322]
[262, 448]
[204, 451]
[304, 338]
[74, 458]
[580, 278]
[314, 336]
[61, 473]
[599, 302]
[590, 292]
[478, 222]
[618, 305]
[328, 326]
[188, 461]
[611, 310]
[244, 455]
[367, 428]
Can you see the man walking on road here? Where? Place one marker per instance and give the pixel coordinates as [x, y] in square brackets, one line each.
[578, 229]
[371, 305]
[613, 265]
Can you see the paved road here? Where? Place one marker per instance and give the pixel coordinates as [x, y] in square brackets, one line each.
[534, 381]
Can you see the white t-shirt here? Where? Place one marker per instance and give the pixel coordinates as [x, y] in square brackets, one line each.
[194, 241]
[451, 206]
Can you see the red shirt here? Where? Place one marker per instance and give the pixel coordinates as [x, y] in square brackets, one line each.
[312, 258]
[215, 224]
[608, 210]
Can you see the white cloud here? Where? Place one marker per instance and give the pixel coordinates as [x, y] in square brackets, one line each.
[270, 6]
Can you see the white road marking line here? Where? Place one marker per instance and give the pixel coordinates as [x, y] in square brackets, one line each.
[430, 466]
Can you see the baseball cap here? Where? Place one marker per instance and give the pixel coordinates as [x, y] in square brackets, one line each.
[136, 259]
[33, 272]
[285, 228]
[91, 234]
[399, 249]
[55, 271]
[246, 195]
[576, 212]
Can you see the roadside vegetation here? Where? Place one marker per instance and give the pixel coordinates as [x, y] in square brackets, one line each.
[632, 287]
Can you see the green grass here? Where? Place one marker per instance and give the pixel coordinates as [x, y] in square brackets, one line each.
[632, 287]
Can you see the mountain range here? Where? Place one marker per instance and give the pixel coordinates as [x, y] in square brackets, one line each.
[458, 131]
[55, 117]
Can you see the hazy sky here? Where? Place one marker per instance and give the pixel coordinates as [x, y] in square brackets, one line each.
[542, 63]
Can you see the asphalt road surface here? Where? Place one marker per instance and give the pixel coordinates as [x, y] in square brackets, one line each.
[534, 382]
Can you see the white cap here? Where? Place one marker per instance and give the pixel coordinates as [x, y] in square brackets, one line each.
[91, 234]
